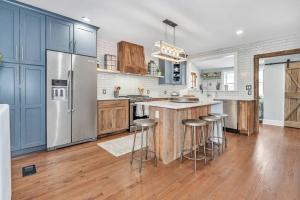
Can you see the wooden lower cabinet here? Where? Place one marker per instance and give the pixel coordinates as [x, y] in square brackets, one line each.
[246, 124]
[112, 116]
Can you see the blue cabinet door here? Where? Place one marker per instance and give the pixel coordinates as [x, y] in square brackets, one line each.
[85, 40]
[9, 34]
[32, 37]
[32, 106]
[9, 94]
[59, 35]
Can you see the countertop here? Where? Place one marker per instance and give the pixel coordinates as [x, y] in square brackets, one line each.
[113, 99]
[173, 105]
[233, 99]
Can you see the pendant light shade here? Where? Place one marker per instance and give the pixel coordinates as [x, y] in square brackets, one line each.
[167, 51]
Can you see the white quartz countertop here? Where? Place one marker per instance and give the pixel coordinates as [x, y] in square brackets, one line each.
[112, 99]
[233, 99]
[173, 105]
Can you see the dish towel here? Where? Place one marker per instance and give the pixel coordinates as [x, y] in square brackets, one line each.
[139, 111]
[146, 110]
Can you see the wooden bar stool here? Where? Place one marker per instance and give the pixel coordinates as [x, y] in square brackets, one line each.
[223, 117]
[145, 125]
[195, 145]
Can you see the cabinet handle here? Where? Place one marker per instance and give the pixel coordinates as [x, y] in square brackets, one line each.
[22, 53]
[16, 51]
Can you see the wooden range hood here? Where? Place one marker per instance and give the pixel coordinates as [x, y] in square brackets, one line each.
[131, 58]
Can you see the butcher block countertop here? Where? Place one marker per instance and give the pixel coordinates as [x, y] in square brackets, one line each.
[173, 105]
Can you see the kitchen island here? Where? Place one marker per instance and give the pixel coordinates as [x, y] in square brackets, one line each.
[169, 130]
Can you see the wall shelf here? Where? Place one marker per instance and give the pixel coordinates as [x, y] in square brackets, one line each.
[99, 70]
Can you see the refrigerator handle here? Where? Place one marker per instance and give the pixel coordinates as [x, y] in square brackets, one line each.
[72, 104]
[69, 91]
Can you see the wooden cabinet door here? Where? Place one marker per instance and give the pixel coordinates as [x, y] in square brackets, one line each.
[85, 40]
[121, 118]
[246, 117]
[32, 37]
[59, 35]
[9, 34]
[105, 120]
[9, 94]
[33, 129]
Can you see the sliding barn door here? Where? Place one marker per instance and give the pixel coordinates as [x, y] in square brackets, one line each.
[292, 95]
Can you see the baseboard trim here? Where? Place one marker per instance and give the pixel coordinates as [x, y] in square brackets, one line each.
[273, 122]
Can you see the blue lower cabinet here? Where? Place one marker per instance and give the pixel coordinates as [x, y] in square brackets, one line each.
[9, 94]
[33, 131]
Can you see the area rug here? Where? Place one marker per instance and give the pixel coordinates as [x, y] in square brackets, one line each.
[123, 145]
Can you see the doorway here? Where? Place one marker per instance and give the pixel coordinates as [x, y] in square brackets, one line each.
[277, 75]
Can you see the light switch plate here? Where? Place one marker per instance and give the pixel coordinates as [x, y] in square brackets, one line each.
[157, 114]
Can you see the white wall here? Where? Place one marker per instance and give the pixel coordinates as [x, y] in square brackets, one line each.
[129, 83]
[274, 88]
[245, 55]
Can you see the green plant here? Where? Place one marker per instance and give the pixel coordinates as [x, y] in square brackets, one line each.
[158, 70]
[1, 57]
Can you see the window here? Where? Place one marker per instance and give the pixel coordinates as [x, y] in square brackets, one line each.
[194, 79]
[229, 80]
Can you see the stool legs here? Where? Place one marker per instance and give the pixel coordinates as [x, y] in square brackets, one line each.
[195, 147]
[142, 139]
[182, 146]
[204, 146]
[154, 148]
[132, 152]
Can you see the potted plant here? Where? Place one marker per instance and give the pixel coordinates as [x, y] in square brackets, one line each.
[1, 58]
[117, 91]
[158, 72]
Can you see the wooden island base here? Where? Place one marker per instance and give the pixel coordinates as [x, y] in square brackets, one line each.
[169, 131]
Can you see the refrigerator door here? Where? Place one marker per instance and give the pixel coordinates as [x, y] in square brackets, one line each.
[84, 98]
[58, 99]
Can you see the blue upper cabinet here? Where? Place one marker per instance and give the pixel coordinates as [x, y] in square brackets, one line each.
[33, 132]
[59, 35]
[32, 37]
[85, 40]
[9, 34]
[9, 94]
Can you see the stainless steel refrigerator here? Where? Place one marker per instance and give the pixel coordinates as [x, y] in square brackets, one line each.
[71, 99]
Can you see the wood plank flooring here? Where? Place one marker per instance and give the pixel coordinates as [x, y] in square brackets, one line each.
[262, 166]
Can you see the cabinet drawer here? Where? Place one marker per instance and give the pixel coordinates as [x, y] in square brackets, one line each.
[112, 103]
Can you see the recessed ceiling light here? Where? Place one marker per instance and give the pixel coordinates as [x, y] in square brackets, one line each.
[239, 32]
[86, 19]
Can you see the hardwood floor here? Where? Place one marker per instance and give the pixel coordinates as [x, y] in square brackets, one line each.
[262, 166]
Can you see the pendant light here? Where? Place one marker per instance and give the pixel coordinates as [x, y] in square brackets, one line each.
[167, 51]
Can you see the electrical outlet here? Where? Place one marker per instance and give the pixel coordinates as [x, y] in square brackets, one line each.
[104, 91]
[157, 114]
[165, 92]
[148, 91]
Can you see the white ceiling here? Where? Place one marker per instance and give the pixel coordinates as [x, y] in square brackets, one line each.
[203, 24]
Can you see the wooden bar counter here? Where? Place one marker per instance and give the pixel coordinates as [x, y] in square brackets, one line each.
[169, 130]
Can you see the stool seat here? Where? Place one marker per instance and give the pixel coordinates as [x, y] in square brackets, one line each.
[144, 122]
[222, 115]
[193, 122]
[211, 118]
